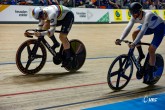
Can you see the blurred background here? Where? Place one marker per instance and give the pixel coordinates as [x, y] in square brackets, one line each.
[103, 4]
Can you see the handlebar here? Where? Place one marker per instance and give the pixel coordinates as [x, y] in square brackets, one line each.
[141, 43]
[36, 30]
[32, 31]
[126, 41]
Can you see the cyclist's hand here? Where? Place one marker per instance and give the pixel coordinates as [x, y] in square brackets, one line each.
[26, 34]
[132, 45]
[118, 42]
[37, 34]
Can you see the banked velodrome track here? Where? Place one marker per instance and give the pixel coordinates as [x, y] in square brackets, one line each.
[56, 89]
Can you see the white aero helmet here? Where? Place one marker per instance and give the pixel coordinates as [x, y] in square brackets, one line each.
[37, 12]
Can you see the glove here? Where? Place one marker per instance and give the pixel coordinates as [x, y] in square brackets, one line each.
[118, 42]
[28, 34]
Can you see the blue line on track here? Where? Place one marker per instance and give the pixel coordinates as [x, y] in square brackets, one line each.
[94, 58]
[10, 63]
[153, 102]
[100, 99]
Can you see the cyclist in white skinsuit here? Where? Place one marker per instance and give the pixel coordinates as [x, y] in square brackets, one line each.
[150, 24]
[50, 17]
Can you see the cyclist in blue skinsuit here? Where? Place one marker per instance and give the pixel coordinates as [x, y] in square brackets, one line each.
[150, 24]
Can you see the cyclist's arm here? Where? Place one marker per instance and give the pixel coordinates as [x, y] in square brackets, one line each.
[40, 24]
[53, 22]
[127, 29]
[145, 26]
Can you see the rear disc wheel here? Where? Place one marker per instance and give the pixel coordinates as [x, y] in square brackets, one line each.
[78, 53]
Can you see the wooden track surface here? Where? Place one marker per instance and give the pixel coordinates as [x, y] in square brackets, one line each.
[53, 87]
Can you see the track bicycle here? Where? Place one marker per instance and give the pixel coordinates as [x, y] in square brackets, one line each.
[31, 55]
[121, 69]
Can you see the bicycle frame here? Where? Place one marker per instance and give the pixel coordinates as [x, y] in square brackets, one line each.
[48, 46]
[42, 39]
[133, 58]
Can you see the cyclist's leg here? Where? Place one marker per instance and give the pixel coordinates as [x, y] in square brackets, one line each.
[157, 39]
[66, 26]
[56, 43]
[149, 31]
[139, 48]
[46, 26]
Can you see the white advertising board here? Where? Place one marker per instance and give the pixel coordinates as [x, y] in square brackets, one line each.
[91, 15]
[17, 13]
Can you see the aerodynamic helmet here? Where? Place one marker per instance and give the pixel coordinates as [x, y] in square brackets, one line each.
[135, 8]
[37, 12]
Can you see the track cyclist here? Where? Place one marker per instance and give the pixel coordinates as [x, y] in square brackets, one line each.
[50, 17]
[150, 24]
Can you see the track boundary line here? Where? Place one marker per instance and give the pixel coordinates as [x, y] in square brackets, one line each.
[94, 58]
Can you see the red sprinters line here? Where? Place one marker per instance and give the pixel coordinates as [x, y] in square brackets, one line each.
[54, 89]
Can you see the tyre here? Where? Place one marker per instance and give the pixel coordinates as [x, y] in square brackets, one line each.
[120, 72]
[78, 53]
[30, 60]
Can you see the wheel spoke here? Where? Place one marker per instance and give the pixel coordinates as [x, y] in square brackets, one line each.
[125, 77]
[118, 81]
[28, 64]
[38, 56]
[28, 50]
[114, 73]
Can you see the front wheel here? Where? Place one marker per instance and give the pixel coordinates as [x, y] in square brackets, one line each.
[31, 57]
[120, 72]
[78, 52]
